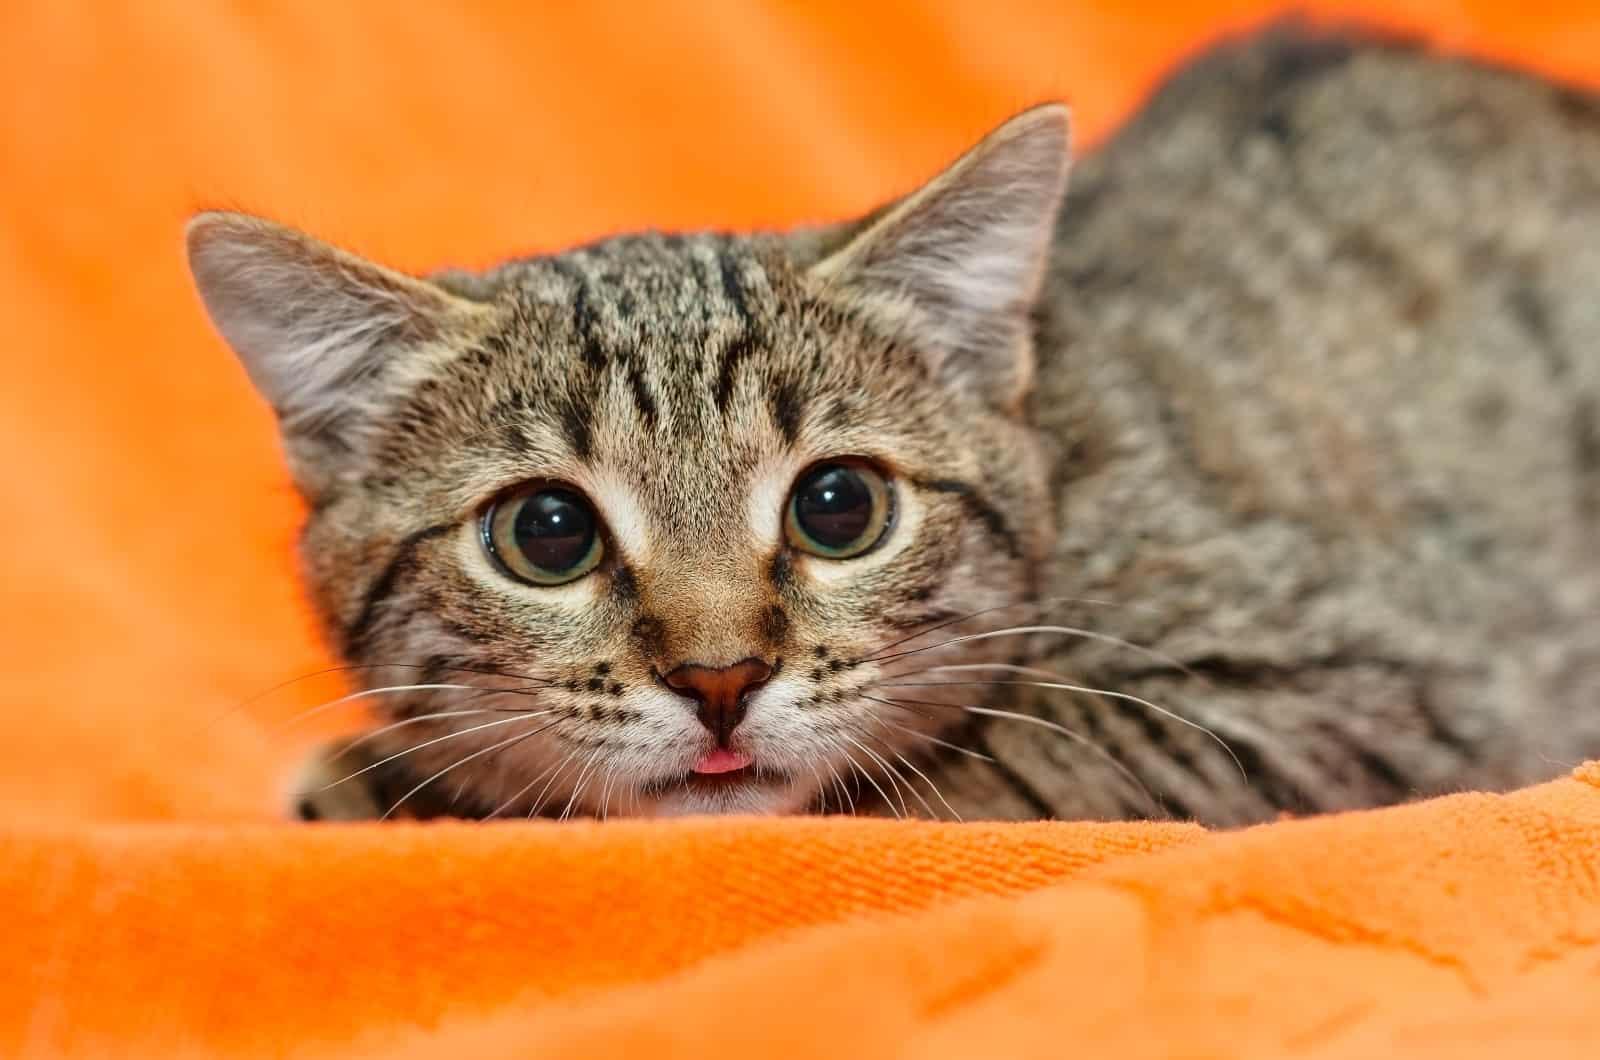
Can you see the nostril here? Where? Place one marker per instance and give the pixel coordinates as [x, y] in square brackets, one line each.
[675, 681]
[719, 691]
[718, 682]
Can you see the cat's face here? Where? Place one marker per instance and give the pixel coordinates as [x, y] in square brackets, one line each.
[664, 510]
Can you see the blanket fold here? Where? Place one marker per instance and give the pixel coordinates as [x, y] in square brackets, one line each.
[1333, 936]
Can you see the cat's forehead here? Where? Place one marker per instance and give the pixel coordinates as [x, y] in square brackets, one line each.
[675, 340]
[675, 375]
[662, 289]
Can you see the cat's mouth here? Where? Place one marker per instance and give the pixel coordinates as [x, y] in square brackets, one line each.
[747, 790]
[694, 780]
[713, 782]
[715, 788]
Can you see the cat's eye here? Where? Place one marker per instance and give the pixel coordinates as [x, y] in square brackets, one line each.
[839, 510]
[544, 535]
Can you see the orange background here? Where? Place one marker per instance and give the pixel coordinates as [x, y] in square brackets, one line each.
[148, 595]
[145, 556]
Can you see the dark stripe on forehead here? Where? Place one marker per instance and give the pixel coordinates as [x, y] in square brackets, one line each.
[514, 438]
[788, 408]
[741, 346]
[643, 397]
[573, 415]
[736, 352]
[583, 316]
[353, 639]
[974, 502]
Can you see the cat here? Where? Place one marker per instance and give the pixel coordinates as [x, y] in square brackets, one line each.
[1262, 477]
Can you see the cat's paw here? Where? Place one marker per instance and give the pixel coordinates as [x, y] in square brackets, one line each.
[330, 786]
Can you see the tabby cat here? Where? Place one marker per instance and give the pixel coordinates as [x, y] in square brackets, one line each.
[1264, 478]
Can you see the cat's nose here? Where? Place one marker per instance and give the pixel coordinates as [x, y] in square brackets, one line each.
[719, 692]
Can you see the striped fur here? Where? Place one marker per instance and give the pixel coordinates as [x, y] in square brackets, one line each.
[1293, 412]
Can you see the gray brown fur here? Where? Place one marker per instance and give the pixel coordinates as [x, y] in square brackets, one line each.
[1316, 390]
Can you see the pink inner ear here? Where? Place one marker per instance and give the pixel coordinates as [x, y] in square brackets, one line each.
[721, 760]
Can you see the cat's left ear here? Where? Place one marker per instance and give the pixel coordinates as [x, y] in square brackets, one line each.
[955, 267]
[325, 336]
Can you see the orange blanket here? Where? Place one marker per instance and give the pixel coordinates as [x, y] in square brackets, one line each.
[152, 902]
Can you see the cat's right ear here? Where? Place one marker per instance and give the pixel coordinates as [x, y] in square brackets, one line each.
[954, 267]
[320, 332]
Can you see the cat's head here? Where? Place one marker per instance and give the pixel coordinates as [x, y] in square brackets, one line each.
[677, 501]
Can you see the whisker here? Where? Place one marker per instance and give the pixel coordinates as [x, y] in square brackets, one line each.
[822, 794]
[487, 671]
[281, 685]
[457, 763]
[605, 791]
[366, 693]
[889, 773]
[544, 792]
[367, 737]
[934, 787]
[932, 813]
[924, 715]
[947, 745]
[1065, 687]
[582, 782]
[1039, 606]
[521, 716]
[498, 810]
[843, 790]
[1017, 631]
[1077, 737]
[875, 785]
[1126, 773]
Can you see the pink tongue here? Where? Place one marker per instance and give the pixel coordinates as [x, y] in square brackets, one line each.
[721, 760]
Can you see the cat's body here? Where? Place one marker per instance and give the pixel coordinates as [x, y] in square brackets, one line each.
[1315, 430]
[1321, 346]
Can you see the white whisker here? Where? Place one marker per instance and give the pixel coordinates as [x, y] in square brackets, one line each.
[947, 745]
[875, 785]
[366, 693]
[498, 810]
[1038, 606]
[368, 737]
[458, 762]
[555, 774]
[429, 743]
[889, 773]
[580, 784]
[1127, 774]
[1077, 737]
[1019, 631]
[1061, 685]
[821, 784]
[845, 799]
[932, 813]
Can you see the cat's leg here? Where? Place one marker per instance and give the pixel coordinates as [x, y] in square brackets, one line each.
[337, 783]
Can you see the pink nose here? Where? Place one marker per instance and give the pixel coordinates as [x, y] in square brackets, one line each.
[719, 692]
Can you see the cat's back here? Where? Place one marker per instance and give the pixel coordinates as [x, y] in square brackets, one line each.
[1411, 242]
[1322, 351]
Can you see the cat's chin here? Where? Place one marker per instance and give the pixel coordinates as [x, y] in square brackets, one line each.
[754, 796]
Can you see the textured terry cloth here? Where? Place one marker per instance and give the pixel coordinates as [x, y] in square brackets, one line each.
[1463, 926]
[146, 566]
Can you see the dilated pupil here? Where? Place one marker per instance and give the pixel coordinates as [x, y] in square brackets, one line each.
[834, 506]
[554, 530]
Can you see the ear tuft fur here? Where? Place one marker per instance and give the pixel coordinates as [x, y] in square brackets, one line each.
[957, 264]
[314, 326]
